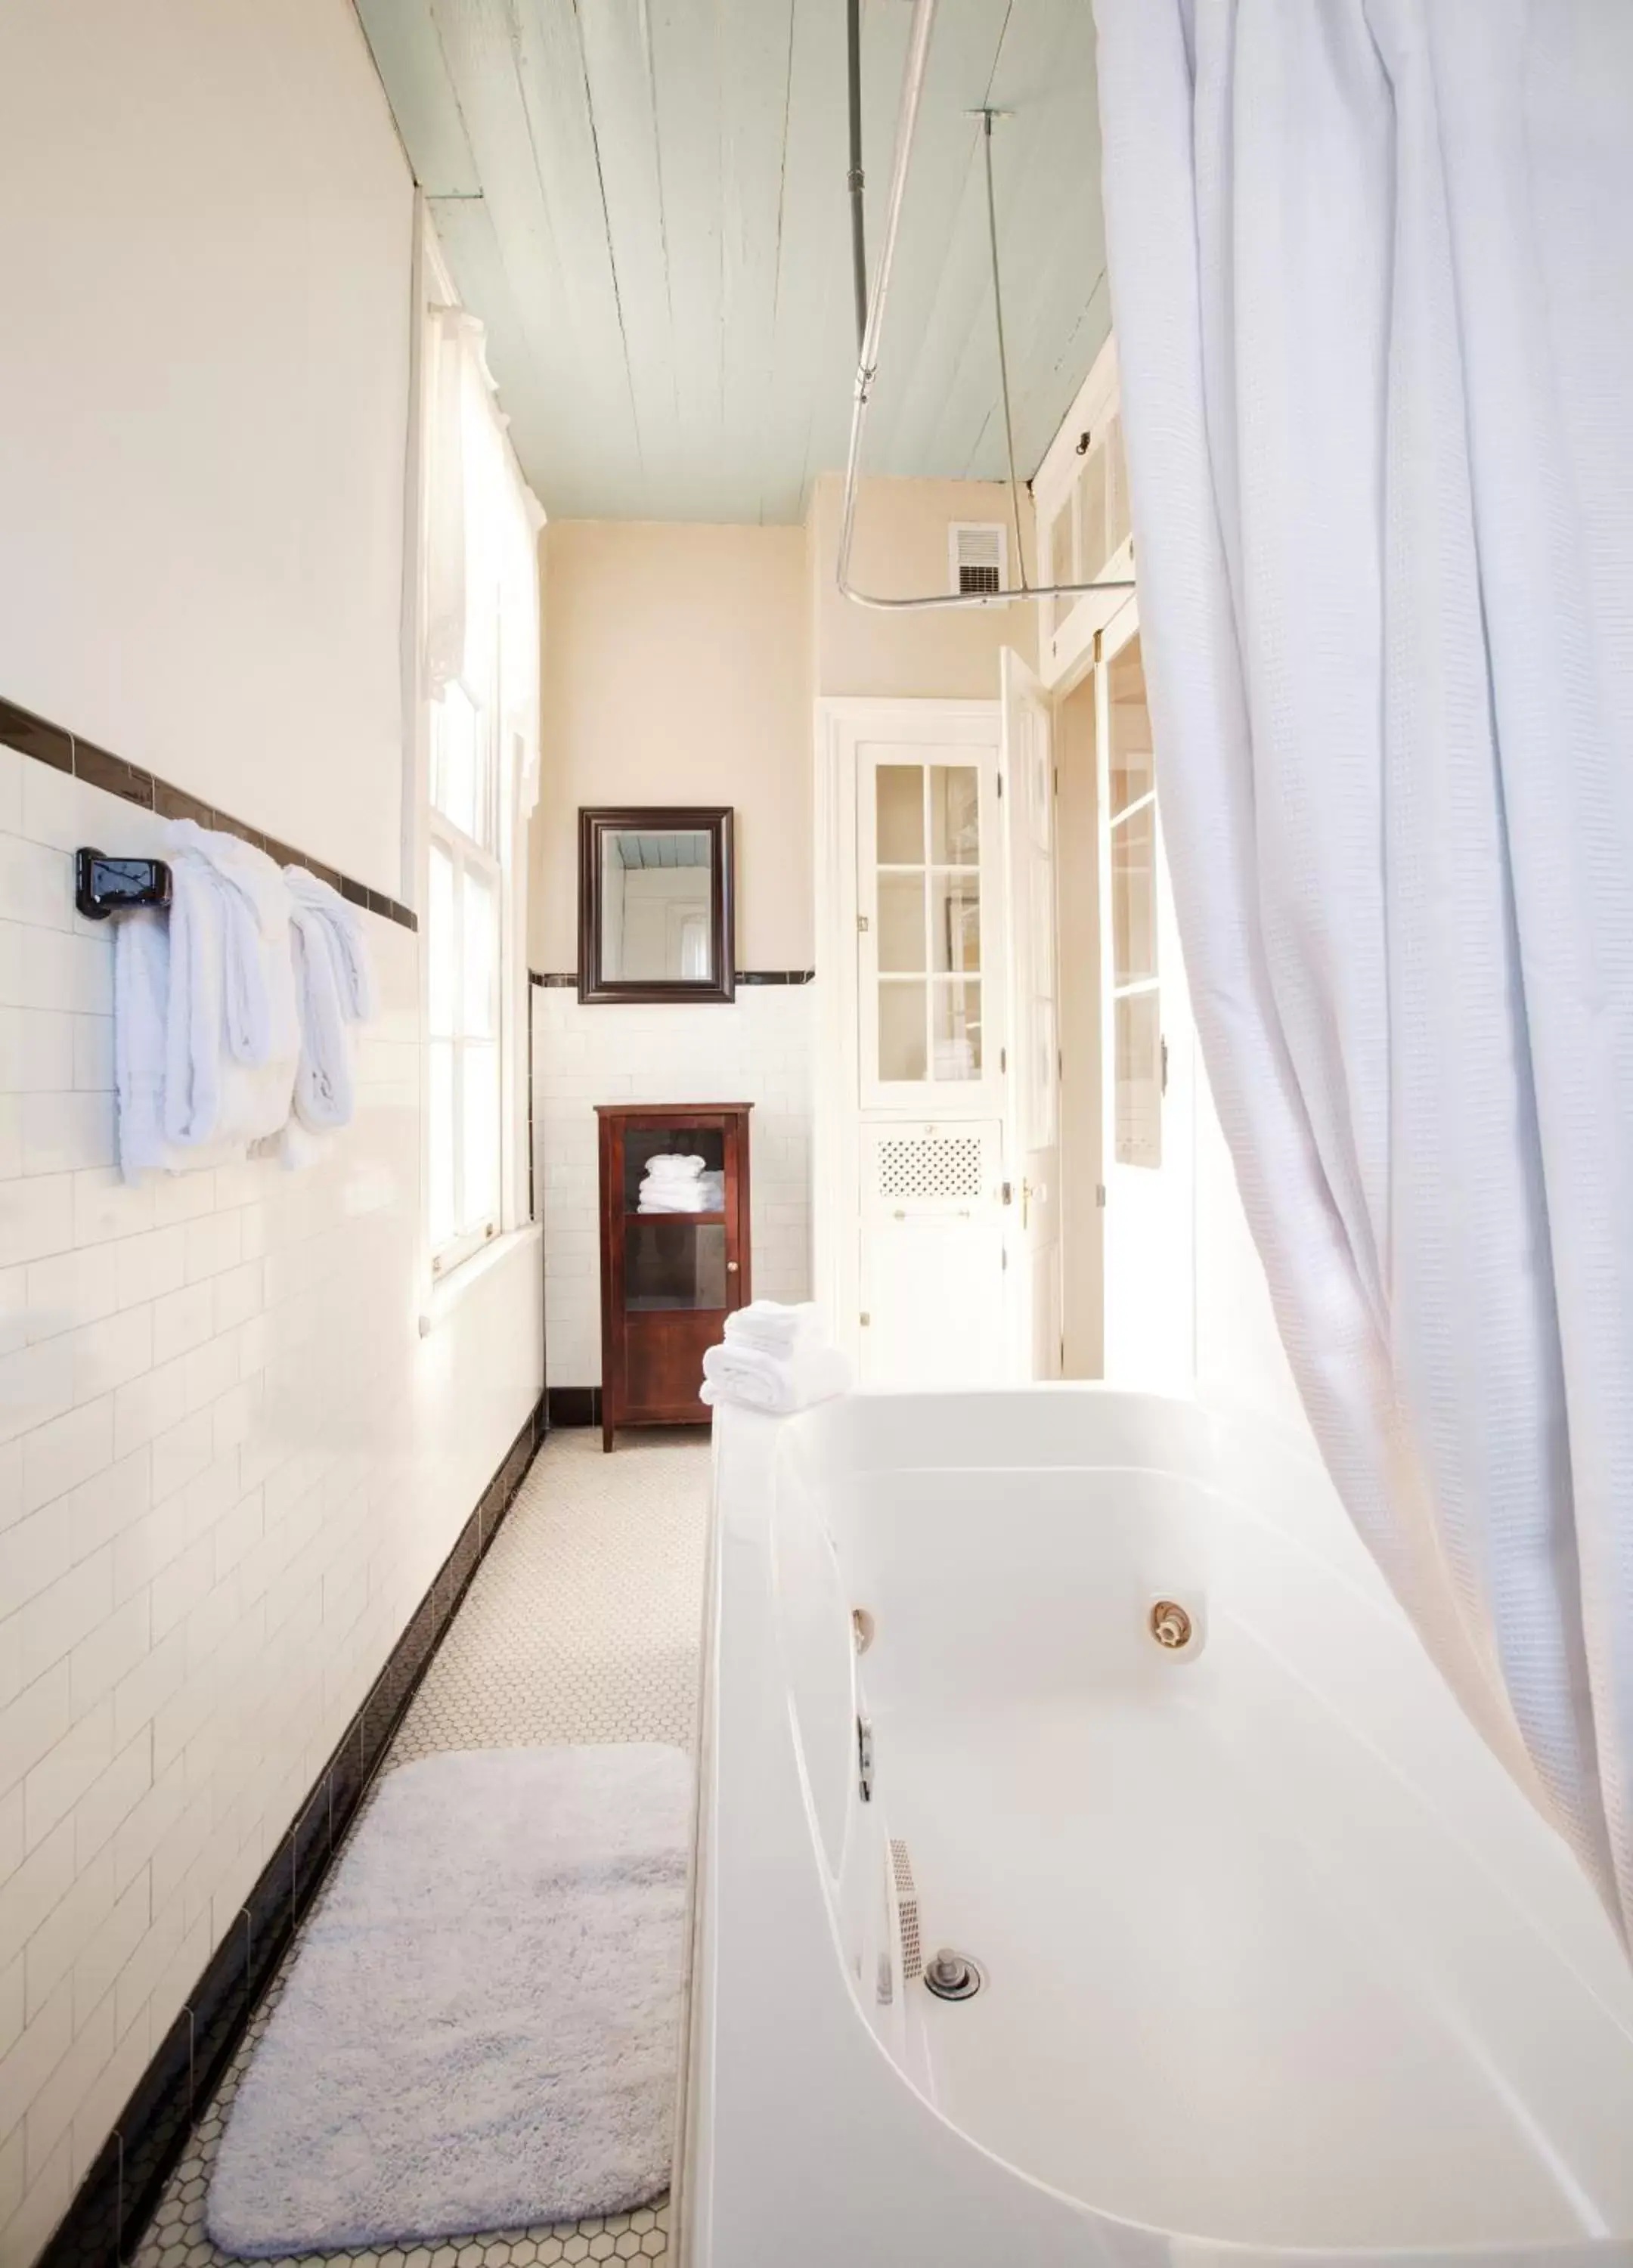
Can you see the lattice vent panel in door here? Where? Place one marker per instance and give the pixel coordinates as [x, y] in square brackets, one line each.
[929, 1166]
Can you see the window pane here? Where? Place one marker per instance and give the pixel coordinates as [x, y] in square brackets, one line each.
[480, 1102]
[1138, 1095]
[958, 1031]
[1134, 896]
[443, 1218]
[1116, 488]
[901, 922]
[898, 803]
[454, 725]
[1132, 771]
[1091, 509]
[902, 1050]
[442, 944]
[955, 922]
[955, 815]
[481, 956]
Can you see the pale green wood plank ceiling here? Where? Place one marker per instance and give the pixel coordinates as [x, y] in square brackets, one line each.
[644, 201]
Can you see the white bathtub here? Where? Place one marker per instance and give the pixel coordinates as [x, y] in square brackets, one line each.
[1278, 1965]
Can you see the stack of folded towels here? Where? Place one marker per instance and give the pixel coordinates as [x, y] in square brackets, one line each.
[774, 1358]
[680, 1184]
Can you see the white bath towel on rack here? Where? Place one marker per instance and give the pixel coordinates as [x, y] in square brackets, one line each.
[333, 990]
[206, 1038]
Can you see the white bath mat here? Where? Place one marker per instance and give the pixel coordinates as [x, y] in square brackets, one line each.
[481, 2030]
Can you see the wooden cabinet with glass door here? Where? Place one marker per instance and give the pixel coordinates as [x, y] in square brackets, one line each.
[675, 1253]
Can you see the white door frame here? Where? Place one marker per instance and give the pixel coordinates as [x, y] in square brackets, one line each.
[841, 723]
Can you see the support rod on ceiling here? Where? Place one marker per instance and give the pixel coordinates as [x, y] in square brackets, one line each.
[871, 317]
[855, 180]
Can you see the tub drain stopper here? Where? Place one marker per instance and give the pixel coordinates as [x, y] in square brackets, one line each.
[953, 1976]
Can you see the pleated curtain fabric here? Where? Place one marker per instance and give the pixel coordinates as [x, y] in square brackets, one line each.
[1372, 274]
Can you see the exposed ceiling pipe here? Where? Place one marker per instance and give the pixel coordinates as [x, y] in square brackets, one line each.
[855, 180]
[871, 315]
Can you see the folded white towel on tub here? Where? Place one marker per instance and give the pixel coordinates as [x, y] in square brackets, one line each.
[773, 1329]
[776, 1384]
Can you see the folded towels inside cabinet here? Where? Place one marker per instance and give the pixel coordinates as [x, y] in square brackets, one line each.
[706, 1194]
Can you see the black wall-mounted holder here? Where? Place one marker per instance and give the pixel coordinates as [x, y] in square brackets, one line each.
[117, 886]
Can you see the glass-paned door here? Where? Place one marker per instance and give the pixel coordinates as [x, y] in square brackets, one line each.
[1147, 1069]
[928, 929]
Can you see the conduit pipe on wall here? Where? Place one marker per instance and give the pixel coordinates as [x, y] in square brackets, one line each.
[871, 317]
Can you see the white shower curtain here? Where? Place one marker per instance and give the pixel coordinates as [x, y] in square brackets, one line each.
[1371, 271]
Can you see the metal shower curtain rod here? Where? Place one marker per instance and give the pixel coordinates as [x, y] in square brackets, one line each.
[870, 316]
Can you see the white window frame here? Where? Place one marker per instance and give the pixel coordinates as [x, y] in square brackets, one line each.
[503, 863]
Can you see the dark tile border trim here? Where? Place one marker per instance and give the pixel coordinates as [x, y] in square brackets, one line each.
[567, 977]
[66, 752]
[572, 1405]
[113, 2204]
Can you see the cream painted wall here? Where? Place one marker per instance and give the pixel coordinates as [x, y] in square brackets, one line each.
[239, 1432]
[676, 671]
[205, 225]
[901, 547]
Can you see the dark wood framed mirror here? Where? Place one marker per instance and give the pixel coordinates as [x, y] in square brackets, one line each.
[655, 903]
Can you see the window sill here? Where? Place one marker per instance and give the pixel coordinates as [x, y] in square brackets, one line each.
[448, 1291]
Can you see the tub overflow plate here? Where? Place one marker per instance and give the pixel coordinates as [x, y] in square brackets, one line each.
[1171, 1625]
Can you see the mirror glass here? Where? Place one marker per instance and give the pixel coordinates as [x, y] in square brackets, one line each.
[656, 888]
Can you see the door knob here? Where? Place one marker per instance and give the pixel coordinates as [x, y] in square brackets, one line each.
[730, 1267]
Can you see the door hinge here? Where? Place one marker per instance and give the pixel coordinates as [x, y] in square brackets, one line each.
[1164, 1064]
[861, 921]
[1004, 1259]
[864, 1759]
[1100, 1193]
[1007, 1195]
[864, 1319]
[1000, 787]
[1057, 779]
[1002, 1058]
[1060, 1062]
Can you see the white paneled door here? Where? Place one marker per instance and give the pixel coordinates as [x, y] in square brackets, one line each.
[1148, 1069]
[1034, 1237]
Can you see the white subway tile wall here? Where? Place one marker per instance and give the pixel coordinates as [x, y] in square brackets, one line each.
[230, 1466]
[757, 1049]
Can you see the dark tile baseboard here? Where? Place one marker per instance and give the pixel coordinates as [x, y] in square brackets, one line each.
[572, 1405]
[119, 2195]
[62, 751]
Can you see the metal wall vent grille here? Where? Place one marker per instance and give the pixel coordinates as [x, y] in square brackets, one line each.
[977, 551]
[931, 1166]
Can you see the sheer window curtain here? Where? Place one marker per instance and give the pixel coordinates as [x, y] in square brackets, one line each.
[1372, 276]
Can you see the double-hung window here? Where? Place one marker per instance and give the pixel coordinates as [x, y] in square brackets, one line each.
[481, 651]
[464, 934]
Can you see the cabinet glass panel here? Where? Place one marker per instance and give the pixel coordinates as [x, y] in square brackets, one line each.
[955, 815]
[901, 922]
[1062, 554]
[677, 1185]
[1136, 1102]
[902, 1036]
[898, 810]
[1134, 896]
[955, 922]
[673, 1263]
[958, 1030]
